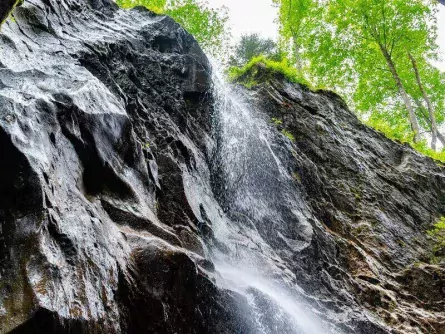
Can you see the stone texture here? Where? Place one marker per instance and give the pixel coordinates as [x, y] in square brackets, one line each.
[6, 7]
[101, 112]
[375, 199]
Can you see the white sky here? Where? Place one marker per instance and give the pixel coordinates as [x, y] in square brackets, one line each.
[258, 16]
[250, 16]
[441, 39]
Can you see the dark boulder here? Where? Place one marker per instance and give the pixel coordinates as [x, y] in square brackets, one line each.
[101, 113]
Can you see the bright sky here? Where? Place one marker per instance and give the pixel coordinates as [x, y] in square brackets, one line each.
[250, 16]
[258, 16]
[441, 39]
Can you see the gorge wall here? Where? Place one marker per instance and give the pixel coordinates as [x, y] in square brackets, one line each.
[114, 182]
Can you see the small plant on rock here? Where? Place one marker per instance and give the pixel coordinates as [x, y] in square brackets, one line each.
[288, 135]
[438, 235]
[277, 121]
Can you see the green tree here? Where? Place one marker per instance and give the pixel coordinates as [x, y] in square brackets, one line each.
[298, 19]
[253, 45]
[429, 98]
[207, 25]
[364, 49]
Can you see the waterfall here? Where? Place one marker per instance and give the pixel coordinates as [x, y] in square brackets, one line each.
[264, 213]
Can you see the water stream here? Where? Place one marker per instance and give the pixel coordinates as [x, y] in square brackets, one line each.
[265, 213]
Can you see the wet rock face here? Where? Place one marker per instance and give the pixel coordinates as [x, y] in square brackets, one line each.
[6, 7]
[101, 113]
[106, 141]
[374, 198]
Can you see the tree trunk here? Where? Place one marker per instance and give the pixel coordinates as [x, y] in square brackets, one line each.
[295, 41]
[297, 56]
[409, 107]
[428, 120]
[428, 103]
[6, 7]
[441, 138]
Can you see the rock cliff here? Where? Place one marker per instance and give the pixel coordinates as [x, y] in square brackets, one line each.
[6, 7]
[112, 190]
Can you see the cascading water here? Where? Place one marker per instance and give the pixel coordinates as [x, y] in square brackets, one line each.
[263, 213]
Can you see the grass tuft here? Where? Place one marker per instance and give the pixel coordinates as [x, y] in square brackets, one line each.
[260, 69]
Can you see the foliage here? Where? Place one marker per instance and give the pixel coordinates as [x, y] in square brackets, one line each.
[360, 48]
[298, 19]
[401, 132]
[248, 73]
[423, 148]
[438, 235]
[207, 25]
[276, 121]
[288, 135]
[157, 6]
[251, 46]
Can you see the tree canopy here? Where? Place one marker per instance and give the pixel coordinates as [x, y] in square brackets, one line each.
[376, 53]
[253, 45]
[207, 25]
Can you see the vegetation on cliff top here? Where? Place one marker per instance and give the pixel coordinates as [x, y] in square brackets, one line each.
[378, 59]
[249, 76]
[377, 54]
[207, 25]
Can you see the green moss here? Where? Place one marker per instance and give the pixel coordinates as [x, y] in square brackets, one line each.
[357, 193]
[249, 75]
[8, 15]
[288, 135]
[437, 233]
[401, 135]
[418, 264]
[12, 18]
[360, 227]
[296, 176]
[401, 243]
[276, 121]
